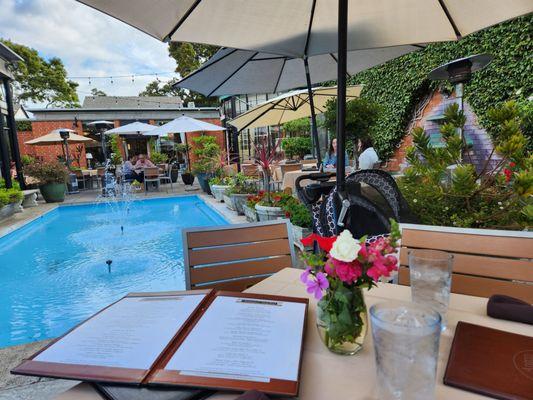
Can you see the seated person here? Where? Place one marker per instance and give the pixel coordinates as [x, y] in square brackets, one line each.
[128, 170]
[331, 156]
[368, 157]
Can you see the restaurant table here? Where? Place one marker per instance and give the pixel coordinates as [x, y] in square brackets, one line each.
[326, 375]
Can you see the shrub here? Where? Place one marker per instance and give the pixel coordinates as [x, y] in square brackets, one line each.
[116, 156]
[207, 153]
[442, 188]
[296, 146]
[26, 159]
[158, 158]
[298, 213]
[239, 184]
[47, 172]
[297, 126]
[11, 195]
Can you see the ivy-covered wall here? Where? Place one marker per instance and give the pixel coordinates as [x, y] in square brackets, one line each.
[400, 84]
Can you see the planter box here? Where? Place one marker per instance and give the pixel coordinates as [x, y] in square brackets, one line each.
[7, 211]
[265, 213]
[229, 202]
[218, 191]
[250, 213]
[298, 233]
[53, 192]
[239, 201]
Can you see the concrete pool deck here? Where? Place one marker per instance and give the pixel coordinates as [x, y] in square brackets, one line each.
[16, 387]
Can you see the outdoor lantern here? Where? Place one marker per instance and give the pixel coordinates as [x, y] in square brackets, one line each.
[460, 72]
[89, 157]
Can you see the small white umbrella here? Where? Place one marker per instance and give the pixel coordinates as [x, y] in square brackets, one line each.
[135, 128]
[185, 124]
[54, 137]
[290, 106]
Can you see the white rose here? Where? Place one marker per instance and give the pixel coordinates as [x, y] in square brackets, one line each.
[345, 248]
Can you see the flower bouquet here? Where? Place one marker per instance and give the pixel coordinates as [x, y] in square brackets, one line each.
[336, 277]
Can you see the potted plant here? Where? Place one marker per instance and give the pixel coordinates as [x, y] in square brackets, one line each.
[136, 186]
[337, 277]
[52, 177]
[296, 147]
[271, 207]
[10, 199]
[158, 158]
[183, 149]
[238, 192]
[301, 220]
[249, 206]
[443, 187]
[207, 153]
[219, 185]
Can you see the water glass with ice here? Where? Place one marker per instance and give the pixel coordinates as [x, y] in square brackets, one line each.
[431, 278]
[406, 343]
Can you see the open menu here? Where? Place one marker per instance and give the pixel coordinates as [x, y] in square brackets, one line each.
[223, 340]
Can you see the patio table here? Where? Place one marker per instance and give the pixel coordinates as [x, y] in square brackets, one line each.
[326, 375]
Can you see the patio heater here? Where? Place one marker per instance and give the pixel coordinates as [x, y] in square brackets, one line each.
[101, 127]
[460, 72]
[72, 182]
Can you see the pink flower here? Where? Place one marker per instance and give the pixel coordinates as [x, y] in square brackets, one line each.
[316, 287]
[347, 272]
[382, 266]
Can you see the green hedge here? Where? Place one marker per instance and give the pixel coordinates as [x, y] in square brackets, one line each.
[400, 84]
[23, 126]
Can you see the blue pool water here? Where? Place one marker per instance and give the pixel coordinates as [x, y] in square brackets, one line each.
[53, 271]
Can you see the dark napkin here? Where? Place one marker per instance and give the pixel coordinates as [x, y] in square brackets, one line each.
[252, 395]
[509, 308]
[122, 392]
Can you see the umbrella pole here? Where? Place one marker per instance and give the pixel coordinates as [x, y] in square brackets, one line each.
[314, 128]
[341, 92]
[187, 154]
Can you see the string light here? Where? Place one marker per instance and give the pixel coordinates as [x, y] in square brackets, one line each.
[128, 76]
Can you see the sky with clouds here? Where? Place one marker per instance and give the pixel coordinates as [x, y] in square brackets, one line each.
[88, 42]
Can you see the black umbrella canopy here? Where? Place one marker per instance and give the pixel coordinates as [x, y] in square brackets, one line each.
[234, 72]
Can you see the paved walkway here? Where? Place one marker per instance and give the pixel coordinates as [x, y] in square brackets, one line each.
[14, 387]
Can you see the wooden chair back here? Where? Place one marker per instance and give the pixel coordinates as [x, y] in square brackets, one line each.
[250, 170]
[151, 172]
[486, 262]
[230, 169]
[235, 257]
[290, 167]
[310, 161]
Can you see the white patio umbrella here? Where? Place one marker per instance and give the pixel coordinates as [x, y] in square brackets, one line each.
[135, 128]
[54, 137]
[185, 124]
[290, 106]
[304, 28]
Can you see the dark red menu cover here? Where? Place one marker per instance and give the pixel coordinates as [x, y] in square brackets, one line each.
[491, 362]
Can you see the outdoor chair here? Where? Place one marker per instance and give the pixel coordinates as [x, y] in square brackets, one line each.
[235, 257]
[166, 176]
[250, 170]
[289, 167]
[82, 179]
[151, 175]
[486, 262]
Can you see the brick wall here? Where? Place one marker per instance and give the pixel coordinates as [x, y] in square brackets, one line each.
[50, 152]
[482, 144]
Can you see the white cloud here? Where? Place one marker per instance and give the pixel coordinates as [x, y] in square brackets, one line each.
[88, 42]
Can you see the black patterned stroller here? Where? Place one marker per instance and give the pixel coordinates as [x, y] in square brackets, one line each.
[370, 198]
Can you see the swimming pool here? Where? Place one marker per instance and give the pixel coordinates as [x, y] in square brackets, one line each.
[53, 271]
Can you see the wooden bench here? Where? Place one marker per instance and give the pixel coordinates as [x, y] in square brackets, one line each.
[235, 257]
[486, 262]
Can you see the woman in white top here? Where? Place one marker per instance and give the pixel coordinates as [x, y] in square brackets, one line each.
[368, 157]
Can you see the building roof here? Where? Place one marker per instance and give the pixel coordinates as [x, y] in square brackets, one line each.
[7, 54]
[132, 102]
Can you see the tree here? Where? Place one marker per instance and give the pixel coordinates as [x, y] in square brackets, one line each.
[189, 57]
[40, 80]
[157, 88]
[98, 92]
[361, 115]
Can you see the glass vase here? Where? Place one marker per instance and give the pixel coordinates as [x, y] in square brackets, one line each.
[342, 320]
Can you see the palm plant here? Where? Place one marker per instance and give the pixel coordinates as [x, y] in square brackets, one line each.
[266, 156]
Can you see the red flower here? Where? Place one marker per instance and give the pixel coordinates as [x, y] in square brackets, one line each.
[324, 243]
[508, 174]
[512, 164]
[287, 214]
